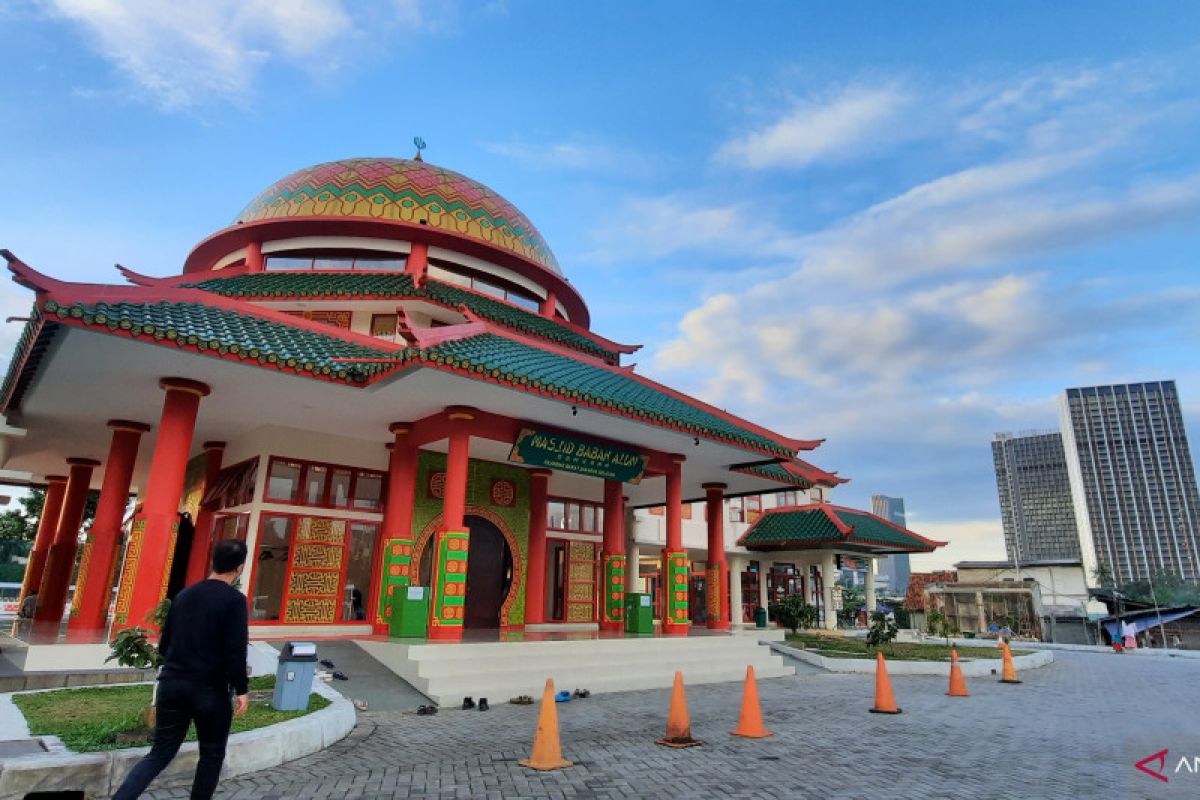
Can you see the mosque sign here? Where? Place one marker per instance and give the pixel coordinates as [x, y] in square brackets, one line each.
[569, 454]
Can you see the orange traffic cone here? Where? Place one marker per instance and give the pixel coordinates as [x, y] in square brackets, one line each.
[547, 750]
[679, 727]
[750, 723]
[958, 684]
[885, 701]
[1010, 672]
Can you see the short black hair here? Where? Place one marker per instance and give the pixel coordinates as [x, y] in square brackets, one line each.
[228, 555]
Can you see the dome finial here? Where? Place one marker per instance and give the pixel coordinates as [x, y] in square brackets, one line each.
[420, 143]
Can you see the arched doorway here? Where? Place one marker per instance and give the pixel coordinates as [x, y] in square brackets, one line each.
[489, 572]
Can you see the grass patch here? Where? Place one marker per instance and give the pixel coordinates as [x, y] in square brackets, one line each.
[839, 647]
[90, 719]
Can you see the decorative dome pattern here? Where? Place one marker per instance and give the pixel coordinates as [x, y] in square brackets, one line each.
[403, 190]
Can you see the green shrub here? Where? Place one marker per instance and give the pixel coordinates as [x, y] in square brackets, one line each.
[793, 613]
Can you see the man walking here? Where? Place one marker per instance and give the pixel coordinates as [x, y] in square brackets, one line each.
[203, 643]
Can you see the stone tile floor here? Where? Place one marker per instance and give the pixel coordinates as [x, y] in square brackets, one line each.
[1071, 730]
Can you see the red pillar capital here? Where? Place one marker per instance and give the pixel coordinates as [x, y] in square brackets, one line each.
[128, 425]
[185, 385]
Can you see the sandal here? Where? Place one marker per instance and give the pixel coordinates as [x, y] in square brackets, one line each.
[521, 700]
[340, 676]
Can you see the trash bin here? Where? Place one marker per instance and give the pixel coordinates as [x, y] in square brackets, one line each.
[760, 617]
[294, 676]
[639, 613]
[410, 613]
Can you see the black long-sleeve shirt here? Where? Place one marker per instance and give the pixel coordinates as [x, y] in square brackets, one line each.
[204, 638]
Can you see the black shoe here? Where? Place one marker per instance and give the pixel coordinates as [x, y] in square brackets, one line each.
[483, 705]
[582, 693]
[423, 711]
[326, 663]
[468, 703]
[431, 710]
[340, 676]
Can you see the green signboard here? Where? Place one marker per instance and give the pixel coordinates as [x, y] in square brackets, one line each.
[566, 453]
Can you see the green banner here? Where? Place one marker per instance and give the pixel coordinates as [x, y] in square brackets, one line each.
[566, 453]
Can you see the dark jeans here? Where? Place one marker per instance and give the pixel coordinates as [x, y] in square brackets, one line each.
[181, 702]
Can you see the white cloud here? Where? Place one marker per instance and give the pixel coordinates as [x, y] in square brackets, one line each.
[185, 54]
[817, 130]
[969, 540]
[579, 155]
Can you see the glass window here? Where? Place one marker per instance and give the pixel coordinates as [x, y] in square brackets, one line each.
[286, 263]
[339, 488]
[283, 481]
[314, 484]
[381, 264]
[358, 572]
[573, 516]
[333, 263]
[556, 516]
[367, 490]
[270, 568]
[527, 303]
[588, 522]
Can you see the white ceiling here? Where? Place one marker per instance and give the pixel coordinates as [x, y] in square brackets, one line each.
[89, 377]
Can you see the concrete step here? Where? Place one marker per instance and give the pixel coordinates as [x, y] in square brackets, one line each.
[500, 670]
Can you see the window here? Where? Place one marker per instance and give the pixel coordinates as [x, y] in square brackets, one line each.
[358, 572]
[324, 485]
[376, 263]
[574, 515]
[383, 326]
[368, 490]
[745, 509]
[284, 480]
[788, 498]
[270, 568]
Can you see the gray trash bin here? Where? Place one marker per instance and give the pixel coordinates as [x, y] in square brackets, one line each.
[294, 676]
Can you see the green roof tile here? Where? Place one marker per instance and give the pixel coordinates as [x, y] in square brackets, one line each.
[268, 285]
[515, 362]
[800, 527]
[229, 333]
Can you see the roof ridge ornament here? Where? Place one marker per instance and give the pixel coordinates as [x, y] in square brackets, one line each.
[420, 143]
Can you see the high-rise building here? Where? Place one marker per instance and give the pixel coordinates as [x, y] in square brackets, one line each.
[1132, 481]
[1035, 497]
[895, 570]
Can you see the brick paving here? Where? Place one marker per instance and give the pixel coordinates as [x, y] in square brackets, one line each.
[1070, 730]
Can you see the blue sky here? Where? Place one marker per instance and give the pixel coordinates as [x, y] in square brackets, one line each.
[902, 227]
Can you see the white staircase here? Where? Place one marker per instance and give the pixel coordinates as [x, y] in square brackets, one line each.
[500, 670]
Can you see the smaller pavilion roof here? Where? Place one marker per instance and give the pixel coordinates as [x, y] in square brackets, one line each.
[823, 526]
[795, 472]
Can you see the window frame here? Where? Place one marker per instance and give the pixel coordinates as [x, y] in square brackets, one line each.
[326, 500]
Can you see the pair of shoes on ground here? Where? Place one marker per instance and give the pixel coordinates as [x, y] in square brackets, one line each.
[582, 693]
[425, 711]
[468, 703]
[522, 700]
[326, 663]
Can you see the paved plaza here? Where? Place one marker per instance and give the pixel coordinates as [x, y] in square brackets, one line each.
[1071, 730]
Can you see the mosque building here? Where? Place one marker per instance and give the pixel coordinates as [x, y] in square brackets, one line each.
[379, 378]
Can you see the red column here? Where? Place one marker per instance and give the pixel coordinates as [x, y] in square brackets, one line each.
[717, 572]
[612, 594]
[151, 543]
[675, 574]
[197, 569]
[254, 257]
[56, 487]
[450, 557]
[535, 581]
[549, 305]
[392, 565]
[52, 596]
[418, 262]
[93, 590]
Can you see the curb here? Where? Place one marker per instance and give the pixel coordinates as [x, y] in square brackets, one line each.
[99, 774]
[973, 668]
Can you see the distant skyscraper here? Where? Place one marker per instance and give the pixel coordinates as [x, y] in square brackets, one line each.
[1035, 497]
[895, 568]
[1132, 480]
